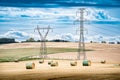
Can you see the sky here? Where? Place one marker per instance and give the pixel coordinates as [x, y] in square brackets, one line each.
[19, 18]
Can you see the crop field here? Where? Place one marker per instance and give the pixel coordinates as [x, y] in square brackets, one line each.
[7, 55]
[66, 53]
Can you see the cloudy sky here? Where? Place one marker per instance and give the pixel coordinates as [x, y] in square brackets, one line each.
[19, 18]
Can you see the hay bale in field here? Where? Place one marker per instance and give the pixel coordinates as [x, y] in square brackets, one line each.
[30, 65]
[103, 61]
[41, 61]
[16, 60]
[49, 62]
[86, 63]
[53, 64]
[73, 63]
[117, 65]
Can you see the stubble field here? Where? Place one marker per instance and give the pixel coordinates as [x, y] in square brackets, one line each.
[97, 71]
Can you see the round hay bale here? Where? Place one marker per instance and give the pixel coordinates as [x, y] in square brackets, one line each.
[73, 63]
[49, 63]
[41, 61]
[117, 65]
[86, 63]
[16, 60]
[53, 64]
[103, 61]
[30, 65]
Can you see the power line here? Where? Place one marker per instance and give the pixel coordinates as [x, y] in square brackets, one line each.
[43, 48]
[30, 29]
[109, 30]
[81, 46]
[100, 32]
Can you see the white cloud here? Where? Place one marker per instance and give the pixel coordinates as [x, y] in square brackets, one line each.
[18, 35]
[55, 13]
[99, 38]
[96, 38]
[94, 14]
[68, 36]
[21, 36]
[55, 16]
[35, 12]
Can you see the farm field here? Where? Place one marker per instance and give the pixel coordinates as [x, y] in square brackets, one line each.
[8, 55]
[97, 71]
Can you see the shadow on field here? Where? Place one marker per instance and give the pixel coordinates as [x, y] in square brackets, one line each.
[90, 77]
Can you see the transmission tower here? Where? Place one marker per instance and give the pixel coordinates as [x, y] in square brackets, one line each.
[81, 47]
[43, 48]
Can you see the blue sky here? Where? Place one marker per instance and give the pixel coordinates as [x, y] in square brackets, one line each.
[18, 18]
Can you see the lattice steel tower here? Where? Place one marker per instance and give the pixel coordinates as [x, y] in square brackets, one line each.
[43, 48]
[81, 46]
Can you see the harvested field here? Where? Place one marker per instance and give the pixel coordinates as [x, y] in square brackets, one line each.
[64, 71]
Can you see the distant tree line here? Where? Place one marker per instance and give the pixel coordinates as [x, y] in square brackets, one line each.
[59, 40]
[118, 42]
[55, 40]
[7, 40]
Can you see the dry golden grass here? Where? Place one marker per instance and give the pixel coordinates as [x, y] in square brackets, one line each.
[18, 71]
[64, 71]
